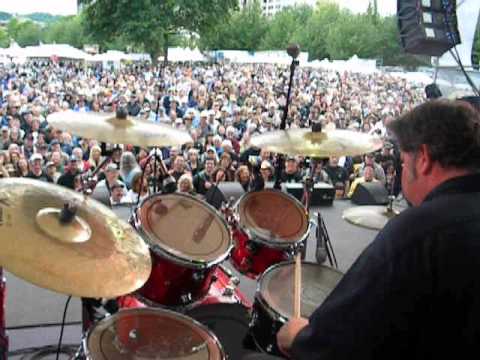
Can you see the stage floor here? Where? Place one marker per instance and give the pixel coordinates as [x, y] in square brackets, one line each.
[32, 312]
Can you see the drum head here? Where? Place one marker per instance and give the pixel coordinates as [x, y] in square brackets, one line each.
[318, 281]
[185, 227]
[151, 334]
[273, 216]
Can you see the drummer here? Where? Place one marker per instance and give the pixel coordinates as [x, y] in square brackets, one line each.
[414, 293]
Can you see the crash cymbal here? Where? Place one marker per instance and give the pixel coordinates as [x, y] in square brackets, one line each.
[317, 144]
[87, 253]
[370, 217]
[108, 127]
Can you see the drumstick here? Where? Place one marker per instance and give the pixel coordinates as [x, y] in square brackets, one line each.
[297, 293]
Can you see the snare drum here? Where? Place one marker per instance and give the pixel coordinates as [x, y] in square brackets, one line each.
[271, 227]
[148, 333]
[187, 240]
[273, 304]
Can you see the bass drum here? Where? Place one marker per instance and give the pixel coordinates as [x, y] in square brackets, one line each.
[147, 333]
[230, 323]
[273, 304]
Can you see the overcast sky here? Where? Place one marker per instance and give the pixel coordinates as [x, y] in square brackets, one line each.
[55, 7]
[385, 7]
[69, 7]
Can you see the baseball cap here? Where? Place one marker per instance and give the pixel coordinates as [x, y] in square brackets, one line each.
[50, 163]
[111, 167]
[73, 158]
[265, 165]
[36, 156]
[117, 184]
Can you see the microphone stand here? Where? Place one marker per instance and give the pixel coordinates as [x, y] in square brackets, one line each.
[281, 159]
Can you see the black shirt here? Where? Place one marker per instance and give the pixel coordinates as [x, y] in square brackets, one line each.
[414, 293]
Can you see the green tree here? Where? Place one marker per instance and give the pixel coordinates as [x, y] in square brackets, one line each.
[149, 23]
[284, 27]
[67, 30]
[4, 38]
[244, 30]
[312, 37]
[13, 27]
[352, 35]
[28, 33]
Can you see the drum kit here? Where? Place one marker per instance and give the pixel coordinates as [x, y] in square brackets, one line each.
[164, 267]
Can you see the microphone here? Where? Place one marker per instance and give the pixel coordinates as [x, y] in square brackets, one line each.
[293, 50]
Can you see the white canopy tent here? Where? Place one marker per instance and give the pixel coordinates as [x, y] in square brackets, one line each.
[62, 51]
[354, 64]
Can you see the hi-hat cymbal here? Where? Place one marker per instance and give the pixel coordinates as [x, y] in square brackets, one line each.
[94, 255]
[107, 127]
[317, 144]
[370, 217]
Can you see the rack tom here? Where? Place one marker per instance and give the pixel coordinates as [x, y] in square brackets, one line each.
[187, 239]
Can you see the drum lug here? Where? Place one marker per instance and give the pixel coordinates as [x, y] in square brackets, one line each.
[186, 298]
[198, 276]
[229, 290]
[235, 281]
[269, 348]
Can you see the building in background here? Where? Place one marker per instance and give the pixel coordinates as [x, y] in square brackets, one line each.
[271, 7]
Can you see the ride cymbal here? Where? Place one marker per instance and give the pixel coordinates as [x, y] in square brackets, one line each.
[317, 144]
[371, 217]
[108, 127]
[89, 252]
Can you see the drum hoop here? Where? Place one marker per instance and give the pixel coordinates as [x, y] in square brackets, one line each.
[264, 240]
[176, 308]
[170, 312]
[261, 299]
[179, 258]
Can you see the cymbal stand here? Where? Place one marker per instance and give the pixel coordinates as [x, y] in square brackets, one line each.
[324, 248]
[280, 158]
[168, 184]
[89, 179]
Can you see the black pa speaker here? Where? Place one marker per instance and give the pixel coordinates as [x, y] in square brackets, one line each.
[428, 27]
[370, 193]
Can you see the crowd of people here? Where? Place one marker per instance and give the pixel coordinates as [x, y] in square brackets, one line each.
[221, 106]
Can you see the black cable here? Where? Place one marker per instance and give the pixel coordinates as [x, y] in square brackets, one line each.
[63, 326]
[459, 62]
[41, 325]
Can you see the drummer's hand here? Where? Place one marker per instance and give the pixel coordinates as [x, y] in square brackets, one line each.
[288, 332]
[208, 185]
